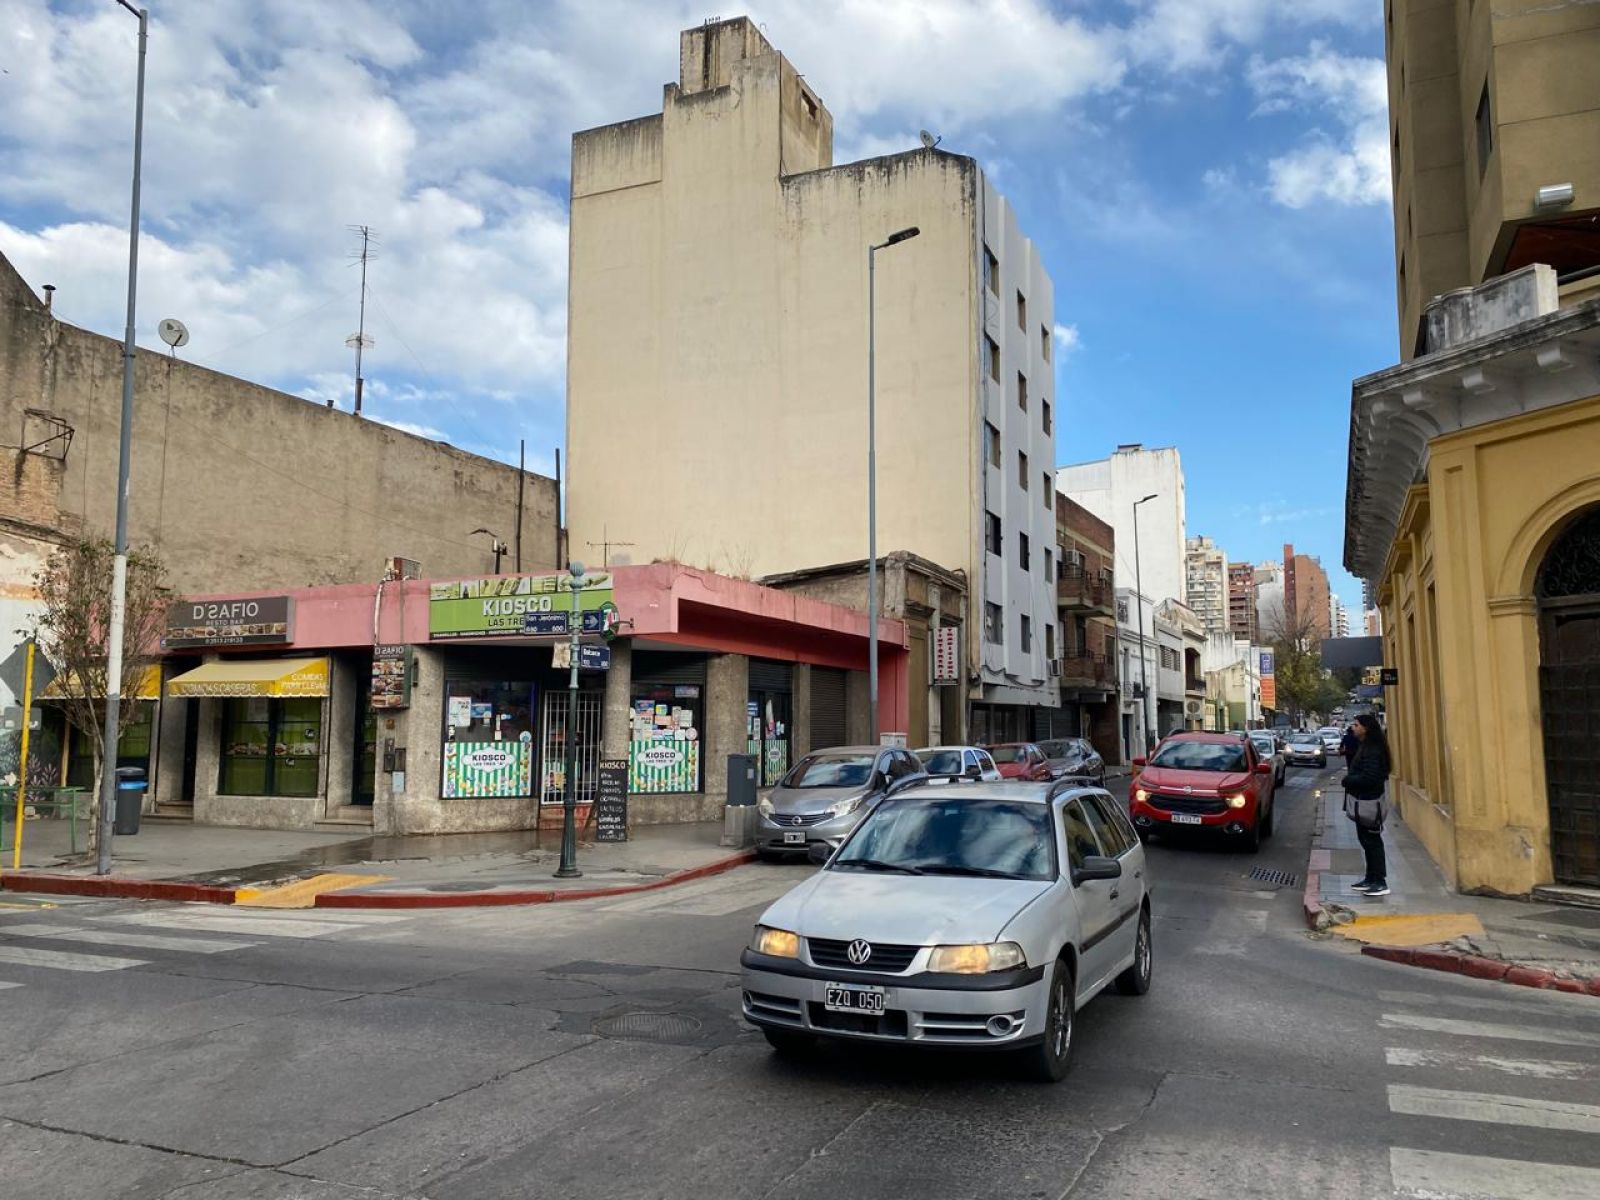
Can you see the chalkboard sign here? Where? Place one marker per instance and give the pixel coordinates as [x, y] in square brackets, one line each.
[611, 801]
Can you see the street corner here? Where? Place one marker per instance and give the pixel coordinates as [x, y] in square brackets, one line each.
[1407, 929]
[1460, 958]
[303, 893]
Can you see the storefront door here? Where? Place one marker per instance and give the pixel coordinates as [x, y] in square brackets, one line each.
[553, 745]
[364, 760]
[768, 717]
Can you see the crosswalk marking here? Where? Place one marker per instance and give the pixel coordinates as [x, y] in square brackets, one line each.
[64, 960]
[1499, 1110]
[1401, 1056]
[274, 926]
[1553, 1004]
[1430, 1175]
[1482, 1029]
[116, 937]
[4, 985]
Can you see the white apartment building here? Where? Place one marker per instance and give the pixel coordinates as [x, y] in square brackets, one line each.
[1110, 487]
[1338, 617]
[1139, 671]
[1269, 599]
[1206, 575]
[717, 363]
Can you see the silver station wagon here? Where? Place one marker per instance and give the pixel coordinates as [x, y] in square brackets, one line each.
[982, 917]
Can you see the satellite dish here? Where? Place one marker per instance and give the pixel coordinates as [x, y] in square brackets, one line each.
[173, 332]
[928, 140]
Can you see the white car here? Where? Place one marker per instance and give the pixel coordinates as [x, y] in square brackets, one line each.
[982, 916]
[1331, 736]
[946, 763]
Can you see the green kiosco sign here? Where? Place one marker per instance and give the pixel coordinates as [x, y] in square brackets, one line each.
[515, 605]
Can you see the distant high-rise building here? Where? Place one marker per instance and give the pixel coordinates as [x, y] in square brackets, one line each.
[1338, 617]
[1374, 623]
[1242, 619]
[1206, 572]
[1110, 487]
[1306, 596]
[1269, 600]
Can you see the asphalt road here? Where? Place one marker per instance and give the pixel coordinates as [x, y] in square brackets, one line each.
[595, 1050]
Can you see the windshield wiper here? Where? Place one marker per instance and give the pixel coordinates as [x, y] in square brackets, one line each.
[875, 864]
[953, 869]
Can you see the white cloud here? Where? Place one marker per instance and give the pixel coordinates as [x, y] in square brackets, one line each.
[1066, 339]
[1200, 34]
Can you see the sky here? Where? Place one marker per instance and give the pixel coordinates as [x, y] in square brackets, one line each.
[1207, 182]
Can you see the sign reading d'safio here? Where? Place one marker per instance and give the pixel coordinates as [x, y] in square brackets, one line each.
[245, 621]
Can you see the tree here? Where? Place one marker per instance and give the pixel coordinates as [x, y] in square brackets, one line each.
[1304, 685]
[72, 627]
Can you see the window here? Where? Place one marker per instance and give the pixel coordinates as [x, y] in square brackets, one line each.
[992, 535]
[991, 271]
[1027, 633]
[1044, 342]
[1045, 489]
[1022, 312]
[1022, 470]
[993, 351]
[1081, 842]
[1022, 549]
[1110, 823]
[991, 436]
[1049, 423]
[993, 624]
[1022, 391]
[1049, 567]
[270, 747]
[1485, 124]
[1122, 609]
[1049, 637]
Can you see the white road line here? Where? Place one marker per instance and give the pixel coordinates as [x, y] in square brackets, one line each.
[1447, 1060]
[716, 899]
[1510, 1033]
[1500, 1110]
[4, 985]
[1555, 1004]
[1429, 1175]
[116, 937]
[63, 960]
[275, 926]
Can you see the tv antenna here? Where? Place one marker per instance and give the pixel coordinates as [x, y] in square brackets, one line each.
[928, 140]
[605, 546]
[360, 340]
[174, 333]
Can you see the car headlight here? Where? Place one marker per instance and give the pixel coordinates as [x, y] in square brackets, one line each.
[977, 959]
[1235, 801]
[764, 807]
[844, 807]
[1142, 795]
[780, 943]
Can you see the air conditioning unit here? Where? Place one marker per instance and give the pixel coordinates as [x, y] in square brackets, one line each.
[1193, 707]
[402, 568]
[1055, 666]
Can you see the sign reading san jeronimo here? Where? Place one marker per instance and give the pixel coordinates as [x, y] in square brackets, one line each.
[511, 605]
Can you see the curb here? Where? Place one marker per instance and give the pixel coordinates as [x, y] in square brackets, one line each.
[123, 888]
[1475, 966]
[1311, 900]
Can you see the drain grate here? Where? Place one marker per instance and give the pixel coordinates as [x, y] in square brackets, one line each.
[1278, 878]
[647, 1025]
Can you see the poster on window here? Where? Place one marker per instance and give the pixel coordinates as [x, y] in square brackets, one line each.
[488, 769]
[657, 765]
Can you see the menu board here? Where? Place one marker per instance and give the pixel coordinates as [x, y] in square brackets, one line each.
[611, 801]
[391, 676]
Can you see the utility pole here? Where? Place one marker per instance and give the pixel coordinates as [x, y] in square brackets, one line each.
[359, 339]
[569, 793]
[119, 566]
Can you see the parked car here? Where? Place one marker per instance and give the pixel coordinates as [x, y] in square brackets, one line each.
[1306, 750]
[1206, 781]
[1270, 748]
[1074, 757]
[944, 763]
[827, 792]
[1330, 735]
[1020, 760]
[981, 917]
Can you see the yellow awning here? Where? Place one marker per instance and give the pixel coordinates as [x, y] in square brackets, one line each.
[148, 686]
[254, 677]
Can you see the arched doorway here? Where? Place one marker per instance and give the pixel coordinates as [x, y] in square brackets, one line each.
[1568, 591]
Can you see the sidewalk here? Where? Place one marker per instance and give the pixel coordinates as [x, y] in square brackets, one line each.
[178, 860]
[1429, 924]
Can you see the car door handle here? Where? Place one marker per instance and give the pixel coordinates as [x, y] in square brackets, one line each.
[1113, 893]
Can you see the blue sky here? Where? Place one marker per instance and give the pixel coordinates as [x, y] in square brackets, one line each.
[1206, 180]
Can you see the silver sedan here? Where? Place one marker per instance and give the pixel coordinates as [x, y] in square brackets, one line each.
[981, 917]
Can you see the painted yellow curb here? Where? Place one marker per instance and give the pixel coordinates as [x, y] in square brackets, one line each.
[1419, 929]
[302, 893]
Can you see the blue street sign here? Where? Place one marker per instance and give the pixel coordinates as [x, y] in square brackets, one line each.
[594, 620]
[546, 622]
[594, 658]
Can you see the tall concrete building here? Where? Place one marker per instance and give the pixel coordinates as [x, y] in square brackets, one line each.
[1269, 600]
[1206, 581]
[1242, 619]
[717, 357]
[1338, 617]
[1307, 598]
[1494, 116]
[1110, 487]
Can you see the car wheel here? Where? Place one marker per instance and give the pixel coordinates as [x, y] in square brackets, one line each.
[1047, 1062]
[1270, 821]
[1252, 839]
[1135, 981]
[788, 1044]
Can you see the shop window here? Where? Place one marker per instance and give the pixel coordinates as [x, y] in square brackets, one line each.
[553, 745]
[993, 624]
[133, 747]
[270, 747]
[664, 740]
[768, 717]
[488, 739]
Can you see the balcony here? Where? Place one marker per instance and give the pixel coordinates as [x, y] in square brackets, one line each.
[1089, 671]
[1081, 590]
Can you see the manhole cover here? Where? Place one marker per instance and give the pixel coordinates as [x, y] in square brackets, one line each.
[1278, 878]
[647, 1025]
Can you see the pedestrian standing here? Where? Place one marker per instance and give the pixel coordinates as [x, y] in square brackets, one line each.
[1364, 786]
[1349, 744]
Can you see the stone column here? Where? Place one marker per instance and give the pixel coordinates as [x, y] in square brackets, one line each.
[207, 757]
[727, 693]
[338, 739]
[418, 731]
[168, 759]
[615, 723]
[800, 742]
[857, 708]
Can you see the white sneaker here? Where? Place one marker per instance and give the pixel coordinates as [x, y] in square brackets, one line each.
[1381, 890]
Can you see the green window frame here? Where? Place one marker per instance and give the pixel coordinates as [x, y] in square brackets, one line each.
[270, 747]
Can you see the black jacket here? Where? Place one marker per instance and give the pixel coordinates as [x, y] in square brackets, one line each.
[1369, 773]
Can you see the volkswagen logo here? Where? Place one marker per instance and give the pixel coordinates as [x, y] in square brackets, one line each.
[798, 821]
[858, 951]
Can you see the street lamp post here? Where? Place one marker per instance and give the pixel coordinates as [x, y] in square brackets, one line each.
[569, 793]
[119, 567]
[894, 239]
[1138, 598]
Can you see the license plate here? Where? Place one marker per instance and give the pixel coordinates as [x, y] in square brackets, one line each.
[1186, 819]
[853, 998]
[795, 838]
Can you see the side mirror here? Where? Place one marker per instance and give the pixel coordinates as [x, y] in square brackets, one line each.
[819, 852]
[1138, 762]
[1263, 768]
[1095, 867]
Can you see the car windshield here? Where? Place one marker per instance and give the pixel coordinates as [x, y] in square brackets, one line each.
[830, 771]
[1304, 739]
[1263, 740]
[1006, 754]
[924, 835]
[1200, 756]
[941, 762]
[1055, 749]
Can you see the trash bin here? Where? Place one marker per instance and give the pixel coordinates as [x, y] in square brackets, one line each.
[741, 779]
[130, 800]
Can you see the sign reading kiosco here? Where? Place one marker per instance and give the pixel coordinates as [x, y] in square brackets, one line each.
[251, 621]
[511, 605]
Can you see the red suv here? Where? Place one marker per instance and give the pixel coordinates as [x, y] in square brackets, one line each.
[1020, 760]
[1212, 781]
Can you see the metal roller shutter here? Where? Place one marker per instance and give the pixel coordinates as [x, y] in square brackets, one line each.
[656, 666]
[827, 708]
[767, 676]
